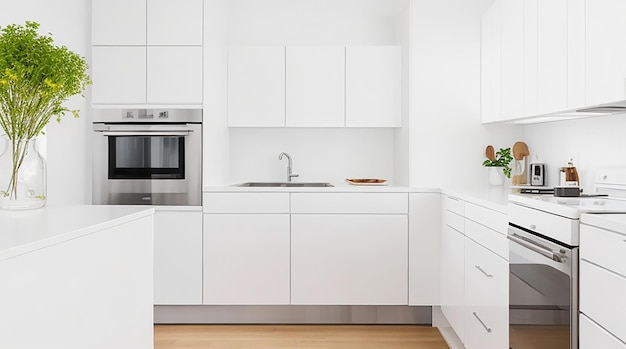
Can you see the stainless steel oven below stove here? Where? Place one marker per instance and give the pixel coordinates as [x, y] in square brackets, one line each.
[543, 261]
[147, 157]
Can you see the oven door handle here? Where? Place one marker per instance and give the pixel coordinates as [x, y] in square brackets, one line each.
[548, 254]
[145, 133]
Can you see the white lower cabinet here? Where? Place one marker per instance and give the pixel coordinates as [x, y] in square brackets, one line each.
[486, 298]
[177, 257]
[246, 259]
[602, 284]
[594, 336]
[452, 276]
[475, 273]
[349, 259]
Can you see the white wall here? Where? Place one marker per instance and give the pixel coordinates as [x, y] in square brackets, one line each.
[320, 154]
[447, 138]
[594, 143]
[68, 143]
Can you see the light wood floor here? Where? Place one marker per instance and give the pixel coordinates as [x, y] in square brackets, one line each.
[297, 336]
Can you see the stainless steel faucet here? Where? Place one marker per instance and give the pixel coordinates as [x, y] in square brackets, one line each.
[289, 174]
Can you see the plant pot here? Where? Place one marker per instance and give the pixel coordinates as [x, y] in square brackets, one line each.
[495, 176]
[22, 175]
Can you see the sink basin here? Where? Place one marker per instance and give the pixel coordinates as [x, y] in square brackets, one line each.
[284, 184]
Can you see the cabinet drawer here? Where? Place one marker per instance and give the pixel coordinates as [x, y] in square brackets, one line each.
[560, 228]
[453, 204]
[245, 203]
[487, 327]
[486, 277]
[600, 302]
[495, 220]
[603, 247]
[594, 336]
[454, 221]
[360, 203]
[490, 239]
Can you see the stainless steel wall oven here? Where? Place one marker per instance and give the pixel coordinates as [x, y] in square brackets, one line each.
[147, 157]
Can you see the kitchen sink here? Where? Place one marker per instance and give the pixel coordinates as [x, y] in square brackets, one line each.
[284, 184]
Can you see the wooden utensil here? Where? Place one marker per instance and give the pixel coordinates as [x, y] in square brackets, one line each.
[520, 151]
[519, 148]
[490, 153]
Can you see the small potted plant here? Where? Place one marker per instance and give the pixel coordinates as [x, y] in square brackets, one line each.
[498, 164]
[36, 79]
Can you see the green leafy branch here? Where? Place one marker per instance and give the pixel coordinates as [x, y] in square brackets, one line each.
[503, 159]
[36, 78]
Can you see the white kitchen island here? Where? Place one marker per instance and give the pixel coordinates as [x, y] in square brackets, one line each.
[76, 277]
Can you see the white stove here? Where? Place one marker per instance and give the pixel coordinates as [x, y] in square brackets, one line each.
[570, 207]
[544, 233]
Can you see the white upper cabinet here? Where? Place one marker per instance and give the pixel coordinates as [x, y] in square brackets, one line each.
[491, 50]
[512, 59]
[576, 55]
[315, 85]
[552, 56]
[118, 74]
[174, 75]
[555, 56]
[118, 22]
[606, 53]
[530, 57]
[128, 68]
[174, 22]
[373, 86]
[256, 86]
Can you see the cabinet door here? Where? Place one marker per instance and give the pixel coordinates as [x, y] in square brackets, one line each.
[119, 75]
[452, 278]
[177, 257]
[606, 56]
[373, 86]
[256, 86]
[552, 55]
[593, 336]
[530, 57]
[486, 298]
[349, 259]
[491, 63]
[424, 248]
[315, 86]
[246, 259]
[576, 53]
[174, 75]
[512, 22]
[118, 22]
[174, 22]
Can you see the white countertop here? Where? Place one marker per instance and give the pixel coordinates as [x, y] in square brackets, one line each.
[611, 221]
[338, 188]
[492, 197]
[25, 231]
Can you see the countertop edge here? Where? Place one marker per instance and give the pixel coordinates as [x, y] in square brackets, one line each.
[12, 252]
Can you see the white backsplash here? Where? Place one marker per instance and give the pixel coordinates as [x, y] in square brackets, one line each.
[594, 143]
[319, 154]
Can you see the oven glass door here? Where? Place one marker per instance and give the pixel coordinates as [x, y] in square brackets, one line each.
[146, 157]
[543, 302]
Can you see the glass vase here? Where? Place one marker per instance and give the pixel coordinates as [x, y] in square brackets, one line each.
[22, 175]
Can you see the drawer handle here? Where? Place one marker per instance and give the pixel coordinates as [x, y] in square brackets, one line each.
[481, 322]
[482, 271]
